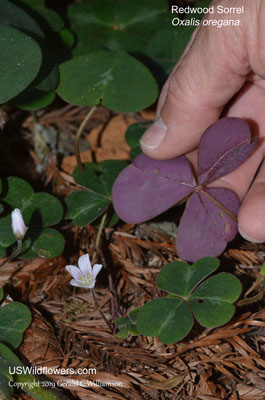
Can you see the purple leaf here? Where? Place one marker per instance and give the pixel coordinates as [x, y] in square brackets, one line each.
[205, 228]
[223, 147]
[149, 187]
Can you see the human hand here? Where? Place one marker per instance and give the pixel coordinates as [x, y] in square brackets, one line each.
[218, 64]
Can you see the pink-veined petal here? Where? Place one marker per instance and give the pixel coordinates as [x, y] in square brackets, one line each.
[96, 270]
[74, 271]
[74, 282]
[85, 265]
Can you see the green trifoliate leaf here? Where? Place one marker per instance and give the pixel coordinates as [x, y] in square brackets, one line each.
[115, 79]
[211, 302]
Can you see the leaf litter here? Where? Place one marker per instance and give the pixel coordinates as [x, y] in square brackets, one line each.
[68, 331]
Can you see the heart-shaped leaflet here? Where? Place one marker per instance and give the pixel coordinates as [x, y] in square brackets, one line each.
[149, 187]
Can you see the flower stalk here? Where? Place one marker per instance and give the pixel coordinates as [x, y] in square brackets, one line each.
[78, 137]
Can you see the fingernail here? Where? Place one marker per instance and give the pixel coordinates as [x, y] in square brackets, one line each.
[250, 239]
[154, 135]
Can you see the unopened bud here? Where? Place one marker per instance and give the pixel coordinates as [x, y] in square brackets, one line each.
[18, 226]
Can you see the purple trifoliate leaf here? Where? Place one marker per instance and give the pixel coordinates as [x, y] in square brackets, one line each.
[149, 187]
[224, 146]
[205, 227]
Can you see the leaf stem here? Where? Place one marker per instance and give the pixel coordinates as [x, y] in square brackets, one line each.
[101, 312]
[251, 300]
[14, 255]
[102, 222]
[78, 137]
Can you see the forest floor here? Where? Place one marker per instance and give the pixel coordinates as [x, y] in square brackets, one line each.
[67, 329]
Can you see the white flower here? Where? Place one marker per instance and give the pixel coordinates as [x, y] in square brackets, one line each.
[18, 226]
[85, 275]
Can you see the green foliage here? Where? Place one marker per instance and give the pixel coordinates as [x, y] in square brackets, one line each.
[7, 359]
[20, 56]
[28, 382]
[48, 76]
[176, 40]
[16, 17]
[34, 99]
[38, 4]
[47, 243]
[115, 79]
[26, 30]
[48, 19]
[97, 179]
[6, 234]
[110, 55]
[133, 136]
[40, 211]
[15, 318]
[211, 302]
[127, 326]
[114, 26]
[2, 251]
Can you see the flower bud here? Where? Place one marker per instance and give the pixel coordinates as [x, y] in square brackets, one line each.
[18, 226]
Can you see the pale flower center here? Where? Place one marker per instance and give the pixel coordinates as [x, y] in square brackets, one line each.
[87, 279]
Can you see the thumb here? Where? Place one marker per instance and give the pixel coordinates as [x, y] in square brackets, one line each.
[213, 69]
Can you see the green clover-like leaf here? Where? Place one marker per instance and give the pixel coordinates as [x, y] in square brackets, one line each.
[169, 319]
[40, 211]
[15, 192]
[176, 38]
[34, 99]
[133, 135]
[127, 326]
[34, 387]
[15, 318]
[180, 278]
[112, 78]
[6, 234]
[87, 205]
[7, 359]
[20, 61]
[122, 325]
[84, 207]
[210, 301]
[120, 26]
[12, 15]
